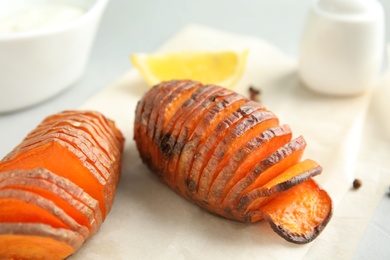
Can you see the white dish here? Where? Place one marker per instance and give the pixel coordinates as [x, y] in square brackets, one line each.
[39, 63]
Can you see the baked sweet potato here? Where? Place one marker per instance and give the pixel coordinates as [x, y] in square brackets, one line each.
[230, 156]
[62, 176]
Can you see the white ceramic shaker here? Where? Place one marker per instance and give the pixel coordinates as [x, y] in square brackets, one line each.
[342, 46]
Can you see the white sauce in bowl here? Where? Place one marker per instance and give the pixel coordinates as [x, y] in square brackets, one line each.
[39, 17]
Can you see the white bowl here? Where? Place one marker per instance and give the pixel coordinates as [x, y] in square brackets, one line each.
[38, 64]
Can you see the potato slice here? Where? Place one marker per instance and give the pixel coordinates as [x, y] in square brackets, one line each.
[205, 151]
[246, 157]
[299, 214]
[76, 193]
[273, 165]
[19, 206]
[37, 241]
[169, 104]
[184, 131]
[60, 197]
[233, 138]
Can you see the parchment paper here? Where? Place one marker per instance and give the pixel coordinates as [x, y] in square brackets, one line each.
[149, 221]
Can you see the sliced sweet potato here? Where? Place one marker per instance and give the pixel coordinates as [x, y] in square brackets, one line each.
[81, 138]
[204, 152]
[74, 208]
[231, 158]
[150, 101]
[77, 194]
[81, 125]
[177, 138]
[106, 125]
[37, 241]
[44, 147]
[19, 206]
[291, 177]
[166, 110]
[207, 125]
[246, 157]
[300, 213]
[53, 156]
[74, 144]
[264, 171]
[234, 137]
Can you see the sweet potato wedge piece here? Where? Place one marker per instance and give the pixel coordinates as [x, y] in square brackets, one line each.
[74, 208]
[37, 241]
[300, 213]
[18, 206]
[77, 194]
[229, 158]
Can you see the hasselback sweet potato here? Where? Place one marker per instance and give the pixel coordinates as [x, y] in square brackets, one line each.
[59, 181]
[230, 156]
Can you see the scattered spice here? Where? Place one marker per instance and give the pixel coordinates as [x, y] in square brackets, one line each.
[357, 184]
[254, 94]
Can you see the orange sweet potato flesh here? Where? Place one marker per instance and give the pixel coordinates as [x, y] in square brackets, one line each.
[203, 155]
[246, 157]
[74, 208]
[178, 129]
[300, 213]
[207, 123]
[230, 156]
[18, 206]
[53, 156]
[37, 241]
[63, 175]
[168, 105]
[88, 143]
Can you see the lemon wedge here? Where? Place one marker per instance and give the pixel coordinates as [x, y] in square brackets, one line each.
[222, 68]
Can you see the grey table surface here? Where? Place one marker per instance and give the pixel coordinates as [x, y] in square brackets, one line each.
[130, 26]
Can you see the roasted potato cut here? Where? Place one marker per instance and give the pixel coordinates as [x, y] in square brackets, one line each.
[60, 197]
[37, 241]
[234, 137]
[165, 111]
[105, 140]
[54, 157]
[277, 162]
[291, 177]
[74, 144]
[300, 213]
[175, 143]
[64, 185]
[19, 206]
[207, 125]
[204, 152]
[86, 149]
[229, 155]
[246, 157]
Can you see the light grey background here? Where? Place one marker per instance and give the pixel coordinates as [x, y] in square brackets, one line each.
[130, 26]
